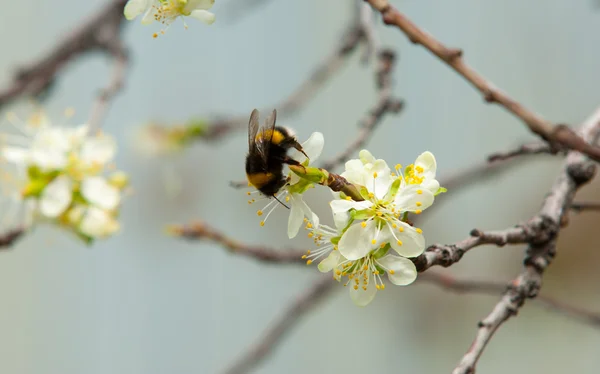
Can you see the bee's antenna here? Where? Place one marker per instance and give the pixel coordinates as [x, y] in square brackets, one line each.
[280, 202]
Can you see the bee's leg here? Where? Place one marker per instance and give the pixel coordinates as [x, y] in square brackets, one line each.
[291, 161]
[299, 148]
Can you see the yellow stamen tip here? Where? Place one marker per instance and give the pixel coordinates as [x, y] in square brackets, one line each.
[401, 229]
[420, 192]
[363, 224]
[348, 198]
[392, 272]
[259, 213]
[419, 203]
[383, 286]
[418, 211]
[398, 166]
[375, 175]
[309, 262]
[399, 242]
[262, 223]
[419, 230]
[373, 241]
[356, 286]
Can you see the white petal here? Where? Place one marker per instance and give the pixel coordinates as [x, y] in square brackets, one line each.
[340, 210]
[204, 16]
[100, 150]
[198, 4]
[295, 219]
[56, 197]
[356, 242]
[330, 262]
[134, 8]
[97, 191]
[404, 270]
[314, 146]
[432, 185]
[409, 199]
[16, 155]
[363, 297]
[148, 17]
[366, 157]
[426, 160]
[98, 223]
[412, 243]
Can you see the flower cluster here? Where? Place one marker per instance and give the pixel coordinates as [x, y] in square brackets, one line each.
[58, 177]
[167, 11]
[373, 236]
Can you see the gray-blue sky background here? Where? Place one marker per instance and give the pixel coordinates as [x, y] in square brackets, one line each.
[145, 303]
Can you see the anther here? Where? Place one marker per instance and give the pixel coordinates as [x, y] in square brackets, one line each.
[401, 229]
[310, 234]
[418, 203]
[309, 262]
[399, 242]
[375, 175]
[262, 223]
[309, 225]
[364, 288]
[356, 286]
[398, 166]
[363, 224]
[419, 230]
[419, 192]
[373, 241]
[348, 198]
[383, 286]
[418, 211]
[259, 213]
[392, 272]
[303, 257]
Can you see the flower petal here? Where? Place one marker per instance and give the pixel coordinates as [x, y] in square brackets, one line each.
[330, 262]
[15, 155]
[98, 223]
[426, 160]
[134, 8]
[99, 150]
[356, 241]
[366, 157]
[412, 198]
[97, 191]
[296, 218]
[404, 271]
[340, 210]
[412, 244]
[56, 197]
[204, 16]
[363, 297]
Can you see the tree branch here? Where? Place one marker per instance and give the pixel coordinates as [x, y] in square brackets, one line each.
[577, 171]
[288, 319]
[556, 136]
[585, 206]
[9, 238]
[451, 283]
[525, 149]
[99, 33]
[202, 231]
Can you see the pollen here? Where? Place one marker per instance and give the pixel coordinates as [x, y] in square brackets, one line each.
[287, 199]
[338, 272]
[308, 252]
[155, 35]
[401, 229]
[399, 242]
[309, 262]
[392, 272]
[379, 214]
[371, 195]
[398, 166]
[363, 224]
[418, 203]
[419, 169]
[262, 223]
[377, 286]
[309, 225]
[383, 286]
[373, 241]
[375, 175]
[394, 225]
[348, 198]
[419, 230]
[310, 234]
[364, 288]
[418, 211]
[419, 192]
[382, 245]
[259, 213]
[303, 257]
[356, 286]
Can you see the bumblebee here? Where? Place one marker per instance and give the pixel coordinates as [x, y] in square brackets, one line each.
[267, 153]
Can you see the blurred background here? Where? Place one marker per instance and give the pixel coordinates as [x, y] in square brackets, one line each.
[146, 303]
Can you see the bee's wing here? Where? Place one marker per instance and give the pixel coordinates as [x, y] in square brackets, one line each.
[252, 129]
[264, 144]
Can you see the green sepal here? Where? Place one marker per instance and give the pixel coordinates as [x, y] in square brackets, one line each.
[361, 214]
[301, 186]
[335, 240]
[312, 174]
[394, 187]
[440, 190]
[364, 193]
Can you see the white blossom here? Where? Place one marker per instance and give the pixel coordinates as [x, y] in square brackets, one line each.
[167, 11]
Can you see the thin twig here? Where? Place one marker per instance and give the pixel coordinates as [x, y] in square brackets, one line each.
[525, 149]
[585, 206]
[495, 288]
[577, 171]
[307, 90]
[560, 135]
[305, 303]
[96, 34]
[8, 239]
[385, 104]
[202, 231]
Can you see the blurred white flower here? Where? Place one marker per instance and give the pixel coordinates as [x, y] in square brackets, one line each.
[59, 175]
[167, 11]
[292, 192]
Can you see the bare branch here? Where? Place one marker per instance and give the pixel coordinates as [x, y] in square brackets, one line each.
[559, 135]
[585, 206]
[100, 33]
[385, 104]
[525, 149]
[317, 79]
[577, 171]
[451, 283]
[288, 319]
[8, 239]
[201, 231]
